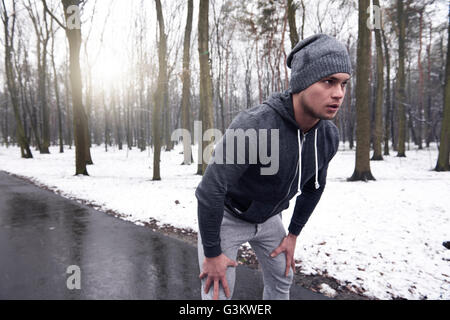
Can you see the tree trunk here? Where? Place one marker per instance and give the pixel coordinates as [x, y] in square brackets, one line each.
[388, 95]
[227, 82]
[27, 110]
[82, 153]
[420, 97]
[56, 88]
[378, 132]
[141, 114]
[411, 132]
[105, 114]
[401, 94]
[167, 121]
[302, 30]
[219, 80]
[443, 162]
[42, 74]
[248, 83]
[5, 124]
[166, 105]
[160, 95]
[24, 80]
[10, 79]
[283, 32]
[206, 104]
[128, 119]
[351, 116]
[428, 119]
[269, 60]
[291, 7]
[362, 167]
[69, 118]
[259, 72]
[41, 55]
[394, 131]
[117, 113]
[185, 98]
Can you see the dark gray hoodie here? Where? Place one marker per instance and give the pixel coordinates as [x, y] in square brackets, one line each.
[253, 197]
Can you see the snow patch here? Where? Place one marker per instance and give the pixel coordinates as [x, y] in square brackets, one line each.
[382, 238]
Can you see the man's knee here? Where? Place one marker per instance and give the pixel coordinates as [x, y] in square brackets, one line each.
[277, 286]
[279, 272]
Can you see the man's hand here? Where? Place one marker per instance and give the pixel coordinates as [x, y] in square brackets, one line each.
[287, 246]
[215, 269]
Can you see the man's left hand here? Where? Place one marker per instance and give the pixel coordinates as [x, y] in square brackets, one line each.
[287, 246]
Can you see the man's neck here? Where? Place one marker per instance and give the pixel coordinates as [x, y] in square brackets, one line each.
[304, 120]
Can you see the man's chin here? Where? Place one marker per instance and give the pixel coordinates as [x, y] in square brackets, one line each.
[328, 116]
[332, 113]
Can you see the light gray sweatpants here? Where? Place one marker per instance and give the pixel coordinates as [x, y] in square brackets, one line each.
[263, 238]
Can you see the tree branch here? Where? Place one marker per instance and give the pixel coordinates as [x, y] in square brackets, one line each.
[52, 15]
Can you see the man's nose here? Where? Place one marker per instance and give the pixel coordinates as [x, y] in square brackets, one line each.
[338, 92]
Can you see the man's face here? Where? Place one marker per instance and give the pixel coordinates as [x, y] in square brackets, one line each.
[323, 99]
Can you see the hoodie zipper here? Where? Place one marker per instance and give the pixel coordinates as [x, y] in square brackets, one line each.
[290, 185]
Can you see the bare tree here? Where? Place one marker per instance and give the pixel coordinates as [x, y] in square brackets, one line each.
[292, 7]
[161, 95]
[388, 107]
[401, 87]
[56, 88]
[443, 163]
[206, 112]
[362, 166]
[80, 121]
[186, 91]
[24, 82]
[9, 30]
[378, 132]
[43, 34]
[302, 29]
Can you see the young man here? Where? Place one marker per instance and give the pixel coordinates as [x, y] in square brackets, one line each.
[238, 204]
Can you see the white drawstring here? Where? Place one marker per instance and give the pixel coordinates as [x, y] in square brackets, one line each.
[299, 162]
[317, 185]
[317, 165]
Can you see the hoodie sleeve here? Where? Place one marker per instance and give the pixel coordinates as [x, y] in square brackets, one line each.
[223, 170]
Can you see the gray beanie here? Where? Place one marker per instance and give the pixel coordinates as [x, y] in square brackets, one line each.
[315, 58]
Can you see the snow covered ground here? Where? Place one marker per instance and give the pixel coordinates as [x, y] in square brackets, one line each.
[383, 238]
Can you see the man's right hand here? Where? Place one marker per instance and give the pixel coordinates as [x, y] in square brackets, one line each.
[215, 269]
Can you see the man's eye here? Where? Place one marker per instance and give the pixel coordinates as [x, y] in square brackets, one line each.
[328, 81]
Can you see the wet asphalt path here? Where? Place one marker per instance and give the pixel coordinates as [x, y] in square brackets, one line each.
[42, 234]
